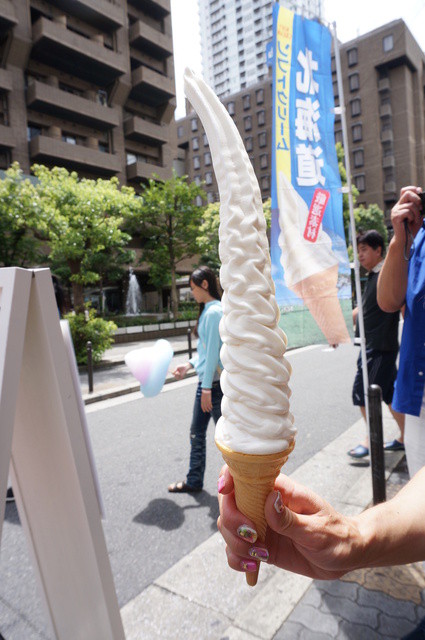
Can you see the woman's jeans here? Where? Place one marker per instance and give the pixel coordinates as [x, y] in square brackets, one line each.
[198, 434]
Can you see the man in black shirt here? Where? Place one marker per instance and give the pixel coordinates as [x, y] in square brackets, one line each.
[381, 331]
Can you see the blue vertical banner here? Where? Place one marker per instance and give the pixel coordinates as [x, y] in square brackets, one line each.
[310, 263]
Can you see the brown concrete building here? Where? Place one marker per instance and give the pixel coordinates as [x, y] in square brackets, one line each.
[383, 82]
[87, 84]
[252, 114]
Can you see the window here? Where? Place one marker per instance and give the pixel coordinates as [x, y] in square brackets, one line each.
[207, 158]
[264, 161]
[180, 131]
[352, 57]
[103, 146]
[248, 123]
[131, 158]
[199, 201]
[208, 177]
[102, 97]
[246, 102]
[260, 96]
[262, 139]
[261, 118]
[248, 143]
[338, 136]
[69, 139]
[388, 43]
[356, 107]
[357, 133]
[265, 182]
[194, 124]
[210, 197]
[358, 158]
[354, 82]
[195, 144]
[197, 180]
[360, 182]
[33, 131]
[231, 108]
[196, 162]
[205, 139]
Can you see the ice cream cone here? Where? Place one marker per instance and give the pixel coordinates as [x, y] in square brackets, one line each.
[320, 294]
[254, 477]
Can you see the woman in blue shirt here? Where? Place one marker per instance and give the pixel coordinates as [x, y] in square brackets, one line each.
[203, 283]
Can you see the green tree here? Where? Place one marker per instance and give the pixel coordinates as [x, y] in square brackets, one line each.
[19, 247]
[169, 226]
[371, 217]
[208, 233]
[81, 221]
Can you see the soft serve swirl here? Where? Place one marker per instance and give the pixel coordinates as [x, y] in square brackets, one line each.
[255, 409]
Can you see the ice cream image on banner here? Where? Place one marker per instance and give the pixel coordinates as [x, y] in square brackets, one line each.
[310, 268]
[255, 433]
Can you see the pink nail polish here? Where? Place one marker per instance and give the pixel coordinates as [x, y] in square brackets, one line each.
[278, 504]
[249, 565]
[259, 553]
[221, 483]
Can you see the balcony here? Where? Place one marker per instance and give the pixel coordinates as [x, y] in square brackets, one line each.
[156, 8]
[52, 150]
[387, 136]
[7, 137]
[81, 57]
[145, 170]
[384, 84]
[388, 161]
[5, 80]
[136, 128]
[151, 87]
[102, 14]
[385, 110]
[390, 187]
[150, 40]
[46, 99]
[8, 18]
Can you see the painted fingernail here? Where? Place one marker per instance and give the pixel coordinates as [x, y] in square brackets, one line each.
[247, 533]
[278, 504]
[221, 483]
[249, 565]
[259, 553]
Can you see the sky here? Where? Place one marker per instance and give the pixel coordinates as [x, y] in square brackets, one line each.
[353, 18]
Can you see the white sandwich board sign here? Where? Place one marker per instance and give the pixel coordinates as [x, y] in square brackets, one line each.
[44, 442]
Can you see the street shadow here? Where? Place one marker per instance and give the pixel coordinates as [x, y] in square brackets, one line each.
[360, 463]
[11, 514]
[167, 515]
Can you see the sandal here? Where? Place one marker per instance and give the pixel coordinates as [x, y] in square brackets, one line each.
[182, 487]
[395, 445]
[358, 452]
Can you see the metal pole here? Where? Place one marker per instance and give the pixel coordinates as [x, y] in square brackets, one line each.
[352, 224]
[90, 365]
[189, 342]
[377, 444]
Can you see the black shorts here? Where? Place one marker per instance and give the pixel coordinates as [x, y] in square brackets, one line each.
[382, 370]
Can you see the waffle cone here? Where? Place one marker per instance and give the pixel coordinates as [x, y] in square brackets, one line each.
[254, 477]
[320, 294]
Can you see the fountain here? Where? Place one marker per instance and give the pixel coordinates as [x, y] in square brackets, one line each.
[133, 302]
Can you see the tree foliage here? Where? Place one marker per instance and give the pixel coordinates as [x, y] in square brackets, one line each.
[169, 225]
[86, 326]
[208, 240]
[19, 246]
[81, 220]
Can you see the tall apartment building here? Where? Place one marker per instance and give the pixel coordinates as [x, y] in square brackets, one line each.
[87, 84]
[234, 35]
[383, 82]
[384, 86]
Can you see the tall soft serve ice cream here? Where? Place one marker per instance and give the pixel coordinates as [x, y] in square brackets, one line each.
[255, 433]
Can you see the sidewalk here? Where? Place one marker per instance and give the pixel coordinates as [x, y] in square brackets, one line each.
[204, 599]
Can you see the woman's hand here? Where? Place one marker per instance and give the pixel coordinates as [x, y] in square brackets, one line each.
[206, 400]
[181, 370]
[305, 534]
[407, 208]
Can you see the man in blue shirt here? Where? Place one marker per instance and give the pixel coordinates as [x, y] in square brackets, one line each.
[402, 281]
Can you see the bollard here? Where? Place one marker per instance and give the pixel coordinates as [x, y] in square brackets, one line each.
[189, 342]
[376, 444]
[90, 366]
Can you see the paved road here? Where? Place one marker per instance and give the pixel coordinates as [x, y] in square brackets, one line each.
[141, 445]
